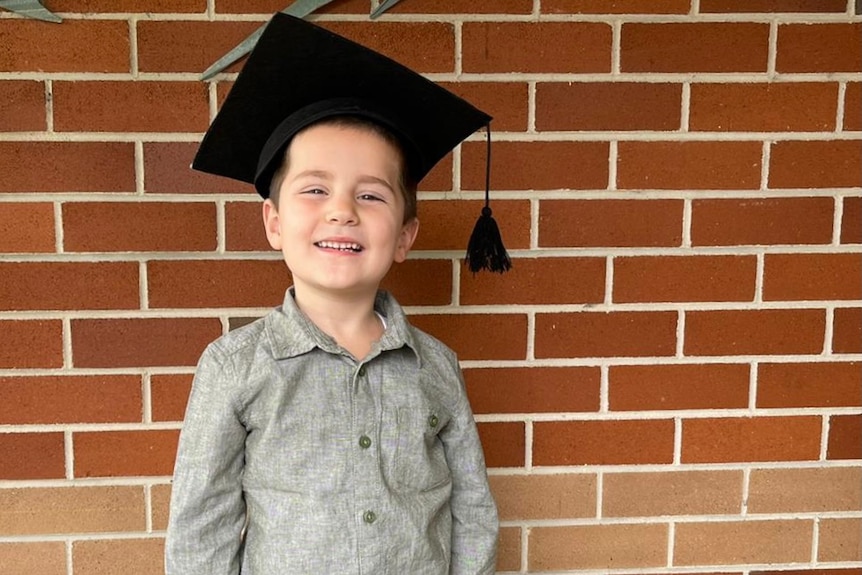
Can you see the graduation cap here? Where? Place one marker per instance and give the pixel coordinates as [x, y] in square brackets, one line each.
[299, 74]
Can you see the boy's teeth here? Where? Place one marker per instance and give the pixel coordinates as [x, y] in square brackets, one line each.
[347, 246]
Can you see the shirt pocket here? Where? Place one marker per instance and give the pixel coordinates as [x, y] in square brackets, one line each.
[414, 457]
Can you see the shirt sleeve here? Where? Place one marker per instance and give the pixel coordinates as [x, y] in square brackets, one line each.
[207, 511]
[475, 526]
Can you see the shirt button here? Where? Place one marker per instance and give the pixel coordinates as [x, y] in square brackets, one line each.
[364, 442]
[361, 372]
[369, 517]
[433, 421]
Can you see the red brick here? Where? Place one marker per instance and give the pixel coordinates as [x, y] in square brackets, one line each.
[141, 342]
[853, 106]
[420, 282]
[447, 224]
[462, 7]
[769, 6]
[533, 389]
[689, 165]
[537, 47]
[507, 102]
[76, 46]
[684, 279]
[27, 228]
[270, 6]
[809, 385]
[130, 106]
[167, 171]
[729, 440]
[139, 226]
[754, 332]
[826, 47]
[32, 456]
[851, 220]
[694, 47]
[183, 46]
[67, 167]
[31, 344]
[762, 221]
[608, 106]
[847, 330]
[125, 453]
[170, 394]
[776, 107]
[844, 434]
[216, 283]
[601, 334]
[602, 442]
[682, 386]
[503, 444]
[459, 332]
[812, 277]
[616, 7]
[244, 227]
[134, 6]
[610, 223]
[70, 399]
[69, 285]
[830, 164]
[22, 106]
[538, 281]
[525, 166]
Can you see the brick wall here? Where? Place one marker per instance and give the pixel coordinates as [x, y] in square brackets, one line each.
[667, 381]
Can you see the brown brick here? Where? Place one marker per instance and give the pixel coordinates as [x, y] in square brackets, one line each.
[766, 221]
[134, 6]
[22, 106]
[603, 442]
[167, 171]
[127, 556]
[27, 228]
[420, 282]
[617, 7]
[610, 223]
[183, 46]
[826, 47]
[244, 227]
[79, 509]
[672, 493]
[812, 277]
[69, 285]
[537, 47]
[755, 332]
[608, 106]
[507, 102]
[125, 453]
[598, 334]
[459, 333]
[161, 500]
[597, 547]
[525, 166]
[735, 542]
[805, 490]
[141, 342]
[76, 46]
[32, 456]
[270, 6]
[130, 106]
[769, 6]
[544, 497]
[509, 549]
[462, 7]
[684, 279]
[851, 221]
[840, 540]
[776, 107]
[538, 281]
[504, 444]
[170, 394]
[824, 571]
[853, 106]
[447, 224]
[844, 434]
[44, 558]
[828, 164]
[847, 330]
[216, 283]
[809, 385]
[793, 438]
[31, 343]
[689, 165]
[67, 167]
[48, 399]
[694, 47]
[533, 389]
[681, 386]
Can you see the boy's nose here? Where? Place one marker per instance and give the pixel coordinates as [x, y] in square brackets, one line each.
[342, 211]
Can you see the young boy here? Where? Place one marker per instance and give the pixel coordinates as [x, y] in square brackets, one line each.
[331, 437]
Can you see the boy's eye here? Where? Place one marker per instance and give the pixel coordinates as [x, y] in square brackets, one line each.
[371, 197]
[314, 191]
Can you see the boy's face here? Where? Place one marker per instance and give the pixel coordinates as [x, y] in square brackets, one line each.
[339, 222]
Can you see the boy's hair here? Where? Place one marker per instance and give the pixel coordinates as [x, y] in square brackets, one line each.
[406, 183]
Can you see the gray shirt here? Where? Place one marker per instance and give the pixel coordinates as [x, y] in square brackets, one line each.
[327, 464]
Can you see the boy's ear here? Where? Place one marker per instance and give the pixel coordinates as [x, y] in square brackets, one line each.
[271, 224]
[406, 239]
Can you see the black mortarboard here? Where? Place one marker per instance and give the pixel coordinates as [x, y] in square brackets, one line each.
[300, 73]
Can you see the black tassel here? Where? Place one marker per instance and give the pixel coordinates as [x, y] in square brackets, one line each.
[485, 251]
